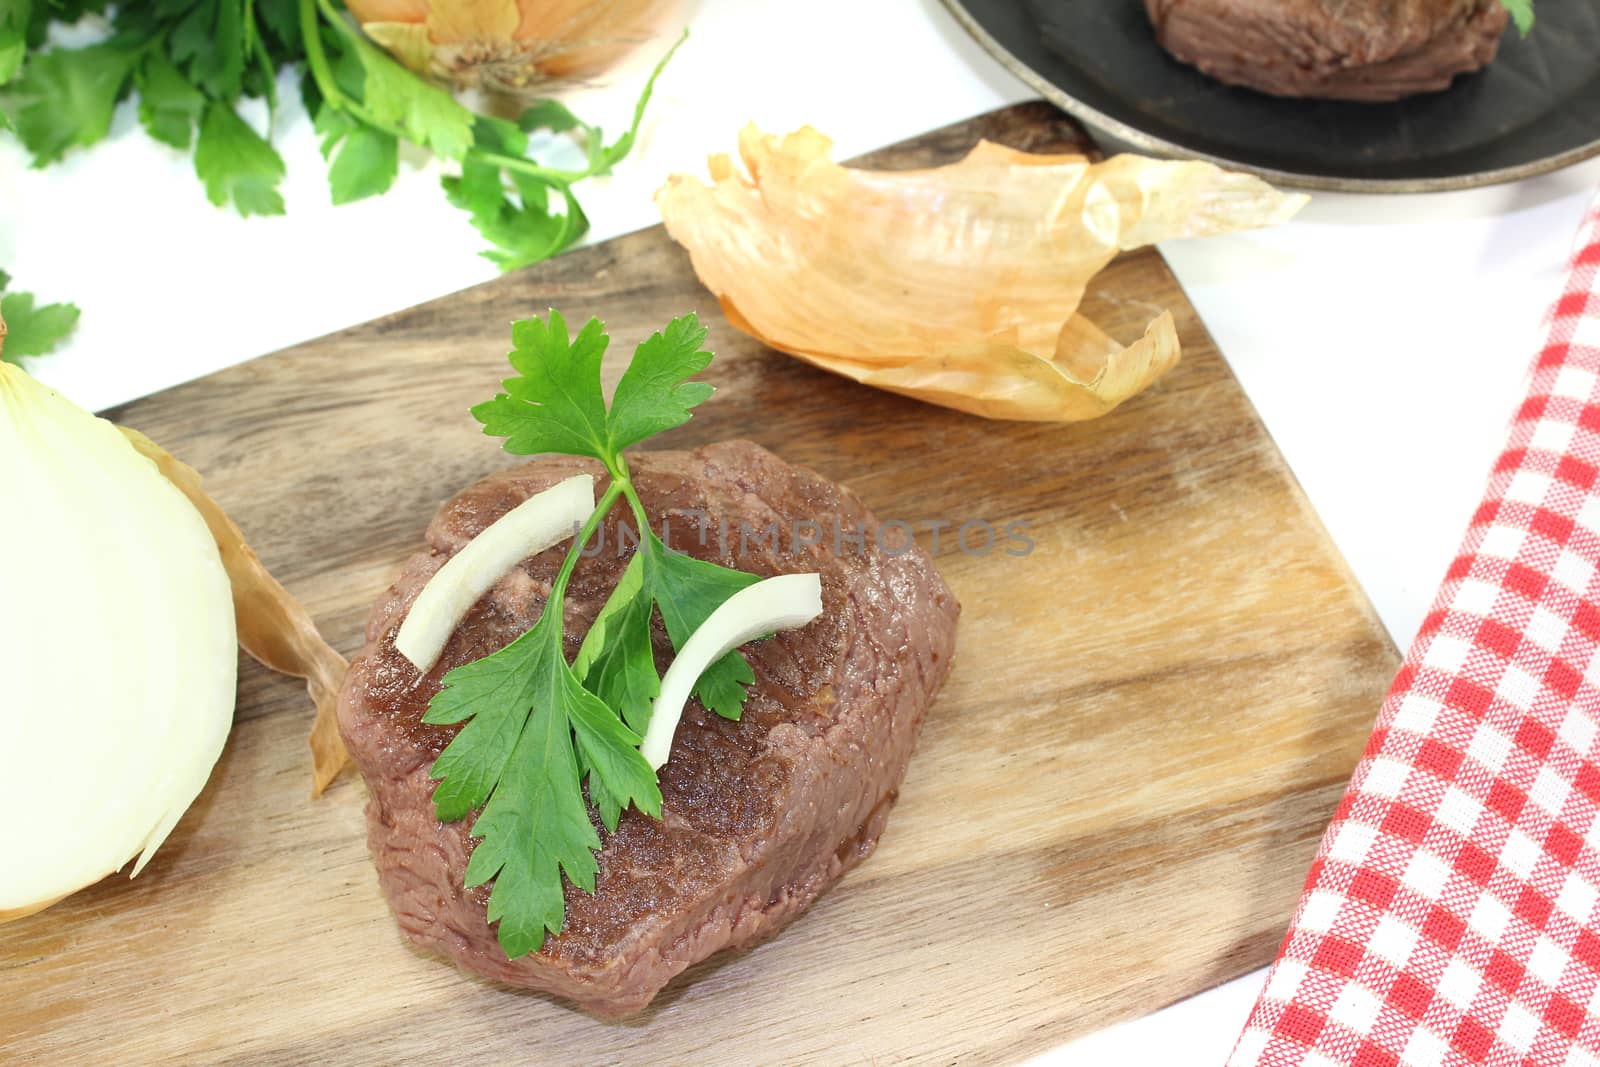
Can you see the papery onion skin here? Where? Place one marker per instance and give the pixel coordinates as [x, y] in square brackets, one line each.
[273, 627]
[507, 46]
[13, 914]
[117, 642]
[959, 285]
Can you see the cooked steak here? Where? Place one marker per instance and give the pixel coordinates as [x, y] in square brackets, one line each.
[1342, 49]
[760, 815]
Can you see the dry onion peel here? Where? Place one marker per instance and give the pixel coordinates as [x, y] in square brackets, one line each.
[542, 520]
[959, 285]
[273, 627]
[117, 644]
[785, 602]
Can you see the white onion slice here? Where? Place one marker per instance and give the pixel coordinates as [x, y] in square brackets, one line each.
[116, 643]
[786, 602]
[542, 520]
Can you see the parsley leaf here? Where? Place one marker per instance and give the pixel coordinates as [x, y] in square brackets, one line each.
[14, 18]
[32, 330]
[615, 660]
[550, 115]
[617, 664]
[365, 160]
[521, 226]
[534, 826]
[236, 163]
[556, 404]
[517, 220]
[209, 42]
[169, 107]
[1521, 14]
[65, 98]
[687, 591]
[653, 394]
[280, 19]
[424, 112]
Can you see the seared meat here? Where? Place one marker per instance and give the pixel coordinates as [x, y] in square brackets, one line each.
[760, 816]
[1341, 49]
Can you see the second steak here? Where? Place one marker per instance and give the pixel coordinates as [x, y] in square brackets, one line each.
[1341, 49]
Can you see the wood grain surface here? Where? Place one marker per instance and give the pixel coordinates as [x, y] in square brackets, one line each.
[1112, 806]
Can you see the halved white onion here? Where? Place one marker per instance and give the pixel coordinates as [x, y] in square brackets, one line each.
[542, 520]
[785, 602]
[117, 646]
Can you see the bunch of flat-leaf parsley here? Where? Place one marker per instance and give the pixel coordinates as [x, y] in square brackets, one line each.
[540, 732]
[191, 63]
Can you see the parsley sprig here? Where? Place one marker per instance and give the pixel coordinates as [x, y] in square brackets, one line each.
[193, 63]
[31, 329]
[539, 732]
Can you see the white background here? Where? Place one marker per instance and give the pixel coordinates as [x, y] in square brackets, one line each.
[1382, 338]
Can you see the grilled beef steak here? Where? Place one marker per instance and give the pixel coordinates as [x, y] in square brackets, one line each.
[1341, 49]
[760, 815]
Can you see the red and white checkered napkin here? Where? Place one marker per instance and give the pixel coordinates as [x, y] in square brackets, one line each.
[1452, 915]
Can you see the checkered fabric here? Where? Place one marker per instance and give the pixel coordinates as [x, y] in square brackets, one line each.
[1452, 914]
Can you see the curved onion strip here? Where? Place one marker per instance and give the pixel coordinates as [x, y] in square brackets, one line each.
[959, 284]
[540, 521]
[786, 602]
[273, 627]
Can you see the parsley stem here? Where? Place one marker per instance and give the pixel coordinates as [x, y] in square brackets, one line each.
[317, 58]
[322, 70]
[639, 515]
[530, 168]
[602, 156]
[558, 588]
[625, 142]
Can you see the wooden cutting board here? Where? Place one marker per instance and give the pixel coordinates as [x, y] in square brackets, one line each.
[1112, 806]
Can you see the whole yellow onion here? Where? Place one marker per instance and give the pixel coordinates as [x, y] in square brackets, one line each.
[511, 46]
